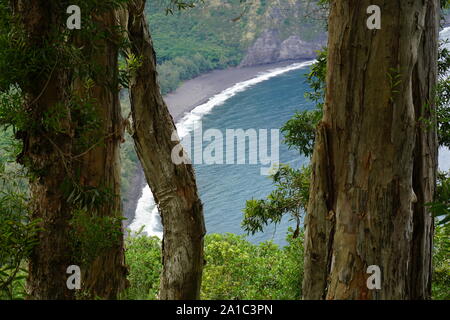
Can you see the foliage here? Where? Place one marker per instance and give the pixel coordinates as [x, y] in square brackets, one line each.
[299, 132]
[143, 256]
[172, 72]
[239, 270]
[290, 197]
[316, 79]
[127, 67]
[292, 185]
[394, 76]
[25, 58]
[443, 95]
[17, 233]
[440, 207]
[10, 111]
[235, 268]
[215, 34]
[205, 37]
[93, 234]
[441, 263]
[180, 5]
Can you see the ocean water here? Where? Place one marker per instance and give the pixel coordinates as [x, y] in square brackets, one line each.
[265, 102]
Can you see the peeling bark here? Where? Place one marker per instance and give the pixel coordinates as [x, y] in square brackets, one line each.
[50, 156]
[41, 154]
[173, 186]
[374, 162]
[99, 168]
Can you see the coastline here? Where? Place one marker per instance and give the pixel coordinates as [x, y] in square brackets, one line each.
[194, 92]
[197, 91]
[190, 94]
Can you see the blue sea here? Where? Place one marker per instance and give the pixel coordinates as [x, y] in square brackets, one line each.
[225, 188]
[265, 102]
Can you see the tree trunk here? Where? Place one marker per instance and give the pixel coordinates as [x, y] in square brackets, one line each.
[425, 155]
[42, 155]
[99, 168]
[374, 161]
[52, 157]
[173, 186]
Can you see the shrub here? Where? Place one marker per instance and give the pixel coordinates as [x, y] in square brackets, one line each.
[236, 269]
[143, 256]
[441, 263]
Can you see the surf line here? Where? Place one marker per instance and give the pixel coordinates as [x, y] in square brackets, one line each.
[146, 216]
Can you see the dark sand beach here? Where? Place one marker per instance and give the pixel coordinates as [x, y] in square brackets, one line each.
[190, 94]
[200, 89]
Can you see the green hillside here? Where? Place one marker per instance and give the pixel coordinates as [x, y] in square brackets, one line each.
[216, 33]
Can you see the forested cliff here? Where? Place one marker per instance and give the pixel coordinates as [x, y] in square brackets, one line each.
[217, 34]
[222, 33]
[359, 145]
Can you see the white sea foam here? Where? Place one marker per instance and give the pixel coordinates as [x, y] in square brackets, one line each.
[147, 215]
[444, 159]
[185, 125]
[445, 35]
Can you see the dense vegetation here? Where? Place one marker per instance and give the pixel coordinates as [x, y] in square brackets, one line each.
[215, 34]
[211, 35]
[292, 184]
[236, 268]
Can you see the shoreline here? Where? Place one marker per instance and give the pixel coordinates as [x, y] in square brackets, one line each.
[190, 94]
[194, 92]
